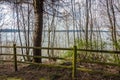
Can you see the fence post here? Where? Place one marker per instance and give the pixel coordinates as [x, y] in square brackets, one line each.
[74, 62]
[15, 57]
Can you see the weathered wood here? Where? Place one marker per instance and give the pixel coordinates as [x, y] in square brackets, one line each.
[101, 51]
[44, 48]
[43, 57]
[6, 46]
[74, 62]
[15, 57]
[88, 50]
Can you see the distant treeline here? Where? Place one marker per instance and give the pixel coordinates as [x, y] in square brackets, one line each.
[16, 30]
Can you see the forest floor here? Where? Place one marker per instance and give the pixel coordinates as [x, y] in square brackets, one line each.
[34, 72]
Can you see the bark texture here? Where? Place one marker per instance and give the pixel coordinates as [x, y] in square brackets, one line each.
[38, 12]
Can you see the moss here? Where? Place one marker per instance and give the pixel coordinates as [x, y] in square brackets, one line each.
[42, 79]
[14, 79]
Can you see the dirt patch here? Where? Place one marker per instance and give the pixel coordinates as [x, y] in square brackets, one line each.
[34, 72]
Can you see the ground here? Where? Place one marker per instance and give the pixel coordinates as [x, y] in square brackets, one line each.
[34, 72]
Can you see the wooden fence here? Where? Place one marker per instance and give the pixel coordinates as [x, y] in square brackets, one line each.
[73, 67]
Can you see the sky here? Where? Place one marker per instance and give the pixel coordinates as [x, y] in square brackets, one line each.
[6, 16]
[9, 21]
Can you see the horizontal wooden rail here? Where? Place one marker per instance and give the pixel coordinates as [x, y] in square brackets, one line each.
[86, 50]
[42, 57]
[101, 51]
[70, 67]
[86, 61]
[37, 56]
[46, 65]
[93, 62]
[7, 54]
[7, 61]
[6, 46]
[74, 59]
[44, 48]
[101, 63]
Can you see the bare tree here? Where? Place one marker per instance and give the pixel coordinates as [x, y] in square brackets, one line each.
[38, 12]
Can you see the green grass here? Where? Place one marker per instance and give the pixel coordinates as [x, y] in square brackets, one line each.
[42, 79]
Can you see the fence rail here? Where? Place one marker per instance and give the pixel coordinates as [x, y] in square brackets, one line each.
[74, 58]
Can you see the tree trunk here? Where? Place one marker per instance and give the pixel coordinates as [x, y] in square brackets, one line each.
[38, 12]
